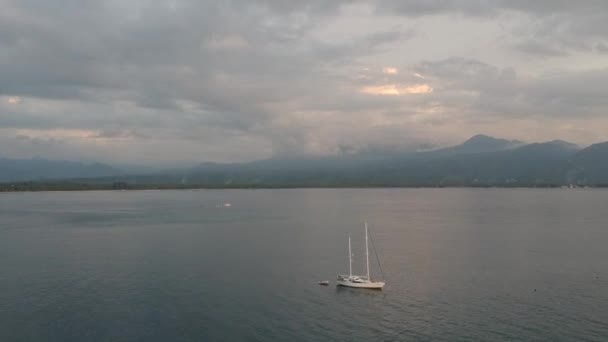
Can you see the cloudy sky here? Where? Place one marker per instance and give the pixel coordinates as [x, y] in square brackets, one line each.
[180, 81]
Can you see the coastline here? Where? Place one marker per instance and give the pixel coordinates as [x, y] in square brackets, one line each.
[81, 186]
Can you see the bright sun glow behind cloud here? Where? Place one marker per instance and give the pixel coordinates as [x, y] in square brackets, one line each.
[14, 100]
[390, 70]
[56, 133]
[396, 90]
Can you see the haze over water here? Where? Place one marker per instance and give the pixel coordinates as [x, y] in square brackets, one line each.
[460, 265]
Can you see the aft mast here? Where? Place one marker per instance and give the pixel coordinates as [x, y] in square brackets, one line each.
[366, 252]
[350, 259]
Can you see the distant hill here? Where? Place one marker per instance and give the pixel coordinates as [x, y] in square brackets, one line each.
[588, 166]
[14, 170]
[532, 164]
[479, 144]
[481, 161]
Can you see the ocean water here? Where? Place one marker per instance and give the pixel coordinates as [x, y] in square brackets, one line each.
[460, 265]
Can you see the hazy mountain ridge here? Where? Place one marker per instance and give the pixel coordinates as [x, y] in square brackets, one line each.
[589, 165]
[479, 161]
[479, 143]
[14, 170]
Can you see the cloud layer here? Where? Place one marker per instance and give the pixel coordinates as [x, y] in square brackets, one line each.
[190, 81]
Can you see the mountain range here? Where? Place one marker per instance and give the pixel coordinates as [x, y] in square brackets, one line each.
[480, 161]
[15, 170]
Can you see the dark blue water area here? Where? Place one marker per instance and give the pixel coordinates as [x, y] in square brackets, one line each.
[460, 265]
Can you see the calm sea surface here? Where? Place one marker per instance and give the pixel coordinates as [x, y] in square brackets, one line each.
[460, 265]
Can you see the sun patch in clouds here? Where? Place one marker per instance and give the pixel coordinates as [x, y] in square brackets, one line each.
[59, 134]
[390, 71]
[13, 100]
[396, 90]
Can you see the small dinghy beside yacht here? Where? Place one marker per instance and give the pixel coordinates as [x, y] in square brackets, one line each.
[358, 281]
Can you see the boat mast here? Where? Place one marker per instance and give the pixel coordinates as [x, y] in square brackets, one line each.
[366, 251]
[350, 259]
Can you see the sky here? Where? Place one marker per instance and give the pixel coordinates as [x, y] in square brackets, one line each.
[181, 82]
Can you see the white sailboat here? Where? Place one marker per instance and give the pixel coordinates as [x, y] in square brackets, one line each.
[364, 282]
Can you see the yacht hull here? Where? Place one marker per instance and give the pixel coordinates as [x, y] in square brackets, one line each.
[375, 285]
